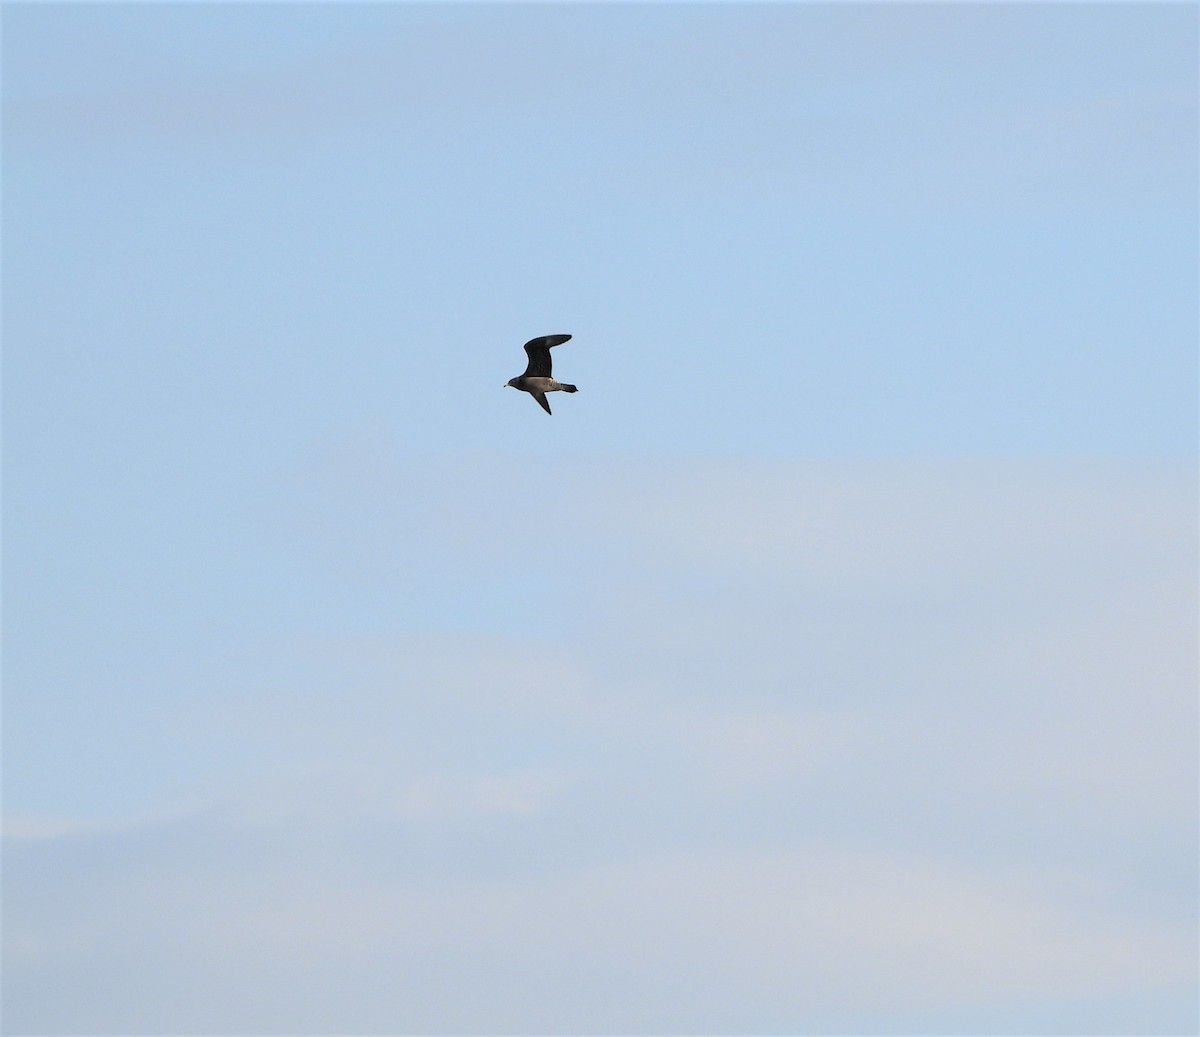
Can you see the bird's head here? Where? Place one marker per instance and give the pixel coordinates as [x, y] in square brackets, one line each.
[512, 382]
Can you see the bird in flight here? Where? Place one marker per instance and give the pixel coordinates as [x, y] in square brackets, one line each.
[536, 380]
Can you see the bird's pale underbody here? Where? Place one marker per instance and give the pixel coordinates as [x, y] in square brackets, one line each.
[536, 380]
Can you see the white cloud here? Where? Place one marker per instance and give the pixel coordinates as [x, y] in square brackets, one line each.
[822, 748]
[678, 941]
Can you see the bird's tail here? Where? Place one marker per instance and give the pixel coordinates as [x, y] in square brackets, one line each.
[568, 388]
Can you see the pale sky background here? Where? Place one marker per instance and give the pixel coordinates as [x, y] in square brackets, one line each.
[827, 664]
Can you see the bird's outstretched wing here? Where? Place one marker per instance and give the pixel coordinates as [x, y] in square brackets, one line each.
[538, 351]
[541, 398]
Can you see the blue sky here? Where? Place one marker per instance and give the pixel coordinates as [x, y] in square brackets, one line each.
[827, 664]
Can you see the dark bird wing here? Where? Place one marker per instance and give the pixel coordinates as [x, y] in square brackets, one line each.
[541, 398]
[538, 351]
